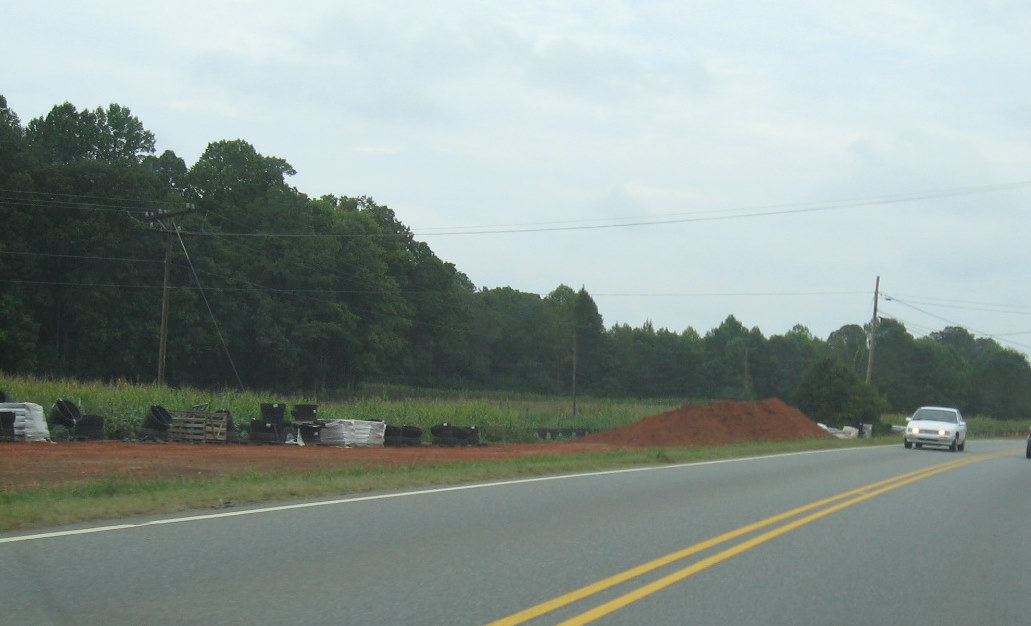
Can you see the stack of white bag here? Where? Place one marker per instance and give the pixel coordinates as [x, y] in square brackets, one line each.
[29, 422]
[358, 433]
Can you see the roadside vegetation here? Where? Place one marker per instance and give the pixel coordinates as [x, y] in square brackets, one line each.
[502, 417]
[119, 498]
[978, 425]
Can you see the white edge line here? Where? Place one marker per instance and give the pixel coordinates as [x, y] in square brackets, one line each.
[386, 496]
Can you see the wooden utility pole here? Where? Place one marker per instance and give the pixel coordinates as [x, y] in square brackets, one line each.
[163, 342]
[166, 288]
[574, 368]
[746, 381]
[873, 331]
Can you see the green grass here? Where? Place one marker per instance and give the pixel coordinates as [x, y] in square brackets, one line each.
[115, 498]
[979, 426]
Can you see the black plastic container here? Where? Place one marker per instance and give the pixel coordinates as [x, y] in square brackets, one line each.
[305, 412]
[273, 412]
[65, 413]
[155, 424]
[90, 428]
[7, 425]
[158, 418]
[262, 431]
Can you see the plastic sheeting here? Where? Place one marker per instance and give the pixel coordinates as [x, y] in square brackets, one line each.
[357, 433]
[29, 422]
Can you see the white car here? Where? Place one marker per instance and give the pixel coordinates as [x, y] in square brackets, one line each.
[936, 426]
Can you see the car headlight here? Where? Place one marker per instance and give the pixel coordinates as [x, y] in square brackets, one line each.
[914, 430]
[942, 432]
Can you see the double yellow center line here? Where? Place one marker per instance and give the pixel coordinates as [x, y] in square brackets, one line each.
[815, 510]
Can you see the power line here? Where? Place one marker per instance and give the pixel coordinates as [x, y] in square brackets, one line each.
[982, 333]
[14, 198]
[676, 218]
[989, 307]
[761, 294]
[45, 199]
[738, 213]
[728, 294]
[77, 256]
[218, 329]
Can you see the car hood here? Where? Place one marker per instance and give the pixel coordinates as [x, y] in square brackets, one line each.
[931, 424]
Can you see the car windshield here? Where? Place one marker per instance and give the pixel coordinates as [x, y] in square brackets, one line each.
[935, 415]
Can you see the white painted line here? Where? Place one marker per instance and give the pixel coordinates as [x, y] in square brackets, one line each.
[403, 494]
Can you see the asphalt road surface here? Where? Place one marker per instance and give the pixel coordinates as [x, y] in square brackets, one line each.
[878, 535]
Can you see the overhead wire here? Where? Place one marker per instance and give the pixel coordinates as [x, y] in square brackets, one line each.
[636, 221]
[211, 313]
[50, 200]
[101, 203]
[995, 336]
[731, 214]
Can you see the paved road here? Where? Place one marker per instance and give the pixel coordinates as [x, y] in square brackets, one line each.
[861, 536]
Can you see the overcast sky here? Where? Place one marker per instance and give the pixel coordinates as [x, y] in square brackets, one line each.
[681, 160]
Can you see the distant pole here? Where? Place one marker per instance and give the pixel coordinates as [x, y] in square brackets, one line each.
[747, 380]
[873, 331]
[574, 372]
[163, 343]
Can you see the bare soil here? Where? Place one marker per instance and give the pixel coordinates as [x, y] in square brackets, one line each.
[24, 464]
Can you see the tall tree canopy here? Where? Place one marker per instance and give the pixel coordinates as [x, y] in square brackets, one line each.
[108, 135]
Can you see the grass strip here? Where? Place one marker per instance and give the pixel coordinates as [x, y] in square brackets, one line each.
[119, 498]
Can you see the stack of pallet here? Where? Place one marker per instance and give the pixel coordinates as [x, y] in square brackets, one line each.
[200, 426]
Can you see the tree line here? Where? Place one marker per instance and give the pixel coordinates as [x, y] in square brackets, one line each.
[271, 289]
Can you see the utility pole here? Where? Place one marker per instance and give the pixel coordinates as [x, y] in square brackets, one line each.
[873, 331]
[163, 341]
[746, 381]
[574, 368]
[166, 287]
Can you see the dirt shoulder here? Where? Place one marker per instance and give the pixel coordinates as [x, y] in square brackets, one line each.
[25, 465]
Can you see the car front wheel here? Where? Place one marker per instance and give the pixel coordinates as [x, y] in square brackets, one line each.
[953, 446]
[909, 444]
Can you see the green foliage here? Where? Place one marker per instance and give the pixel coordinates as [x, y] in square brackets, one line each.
[980, 426]
[109, 135]
[271, 289]
[124, 405]
[1002, 384]
[829, 392]
[977, 425]
[501, 417]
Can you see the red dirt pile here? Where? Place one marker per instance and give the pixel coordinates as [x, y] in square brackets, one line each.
[715, 424]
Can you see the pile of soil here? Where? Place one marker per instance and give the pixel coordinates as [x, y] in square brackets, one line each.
[715, 424]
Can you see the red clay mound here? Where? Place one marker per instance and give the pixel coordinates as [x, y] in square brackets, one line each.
[715, 424]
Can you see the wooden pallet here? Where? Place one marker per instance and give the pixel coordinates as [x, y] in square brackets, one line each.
[199, 427]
